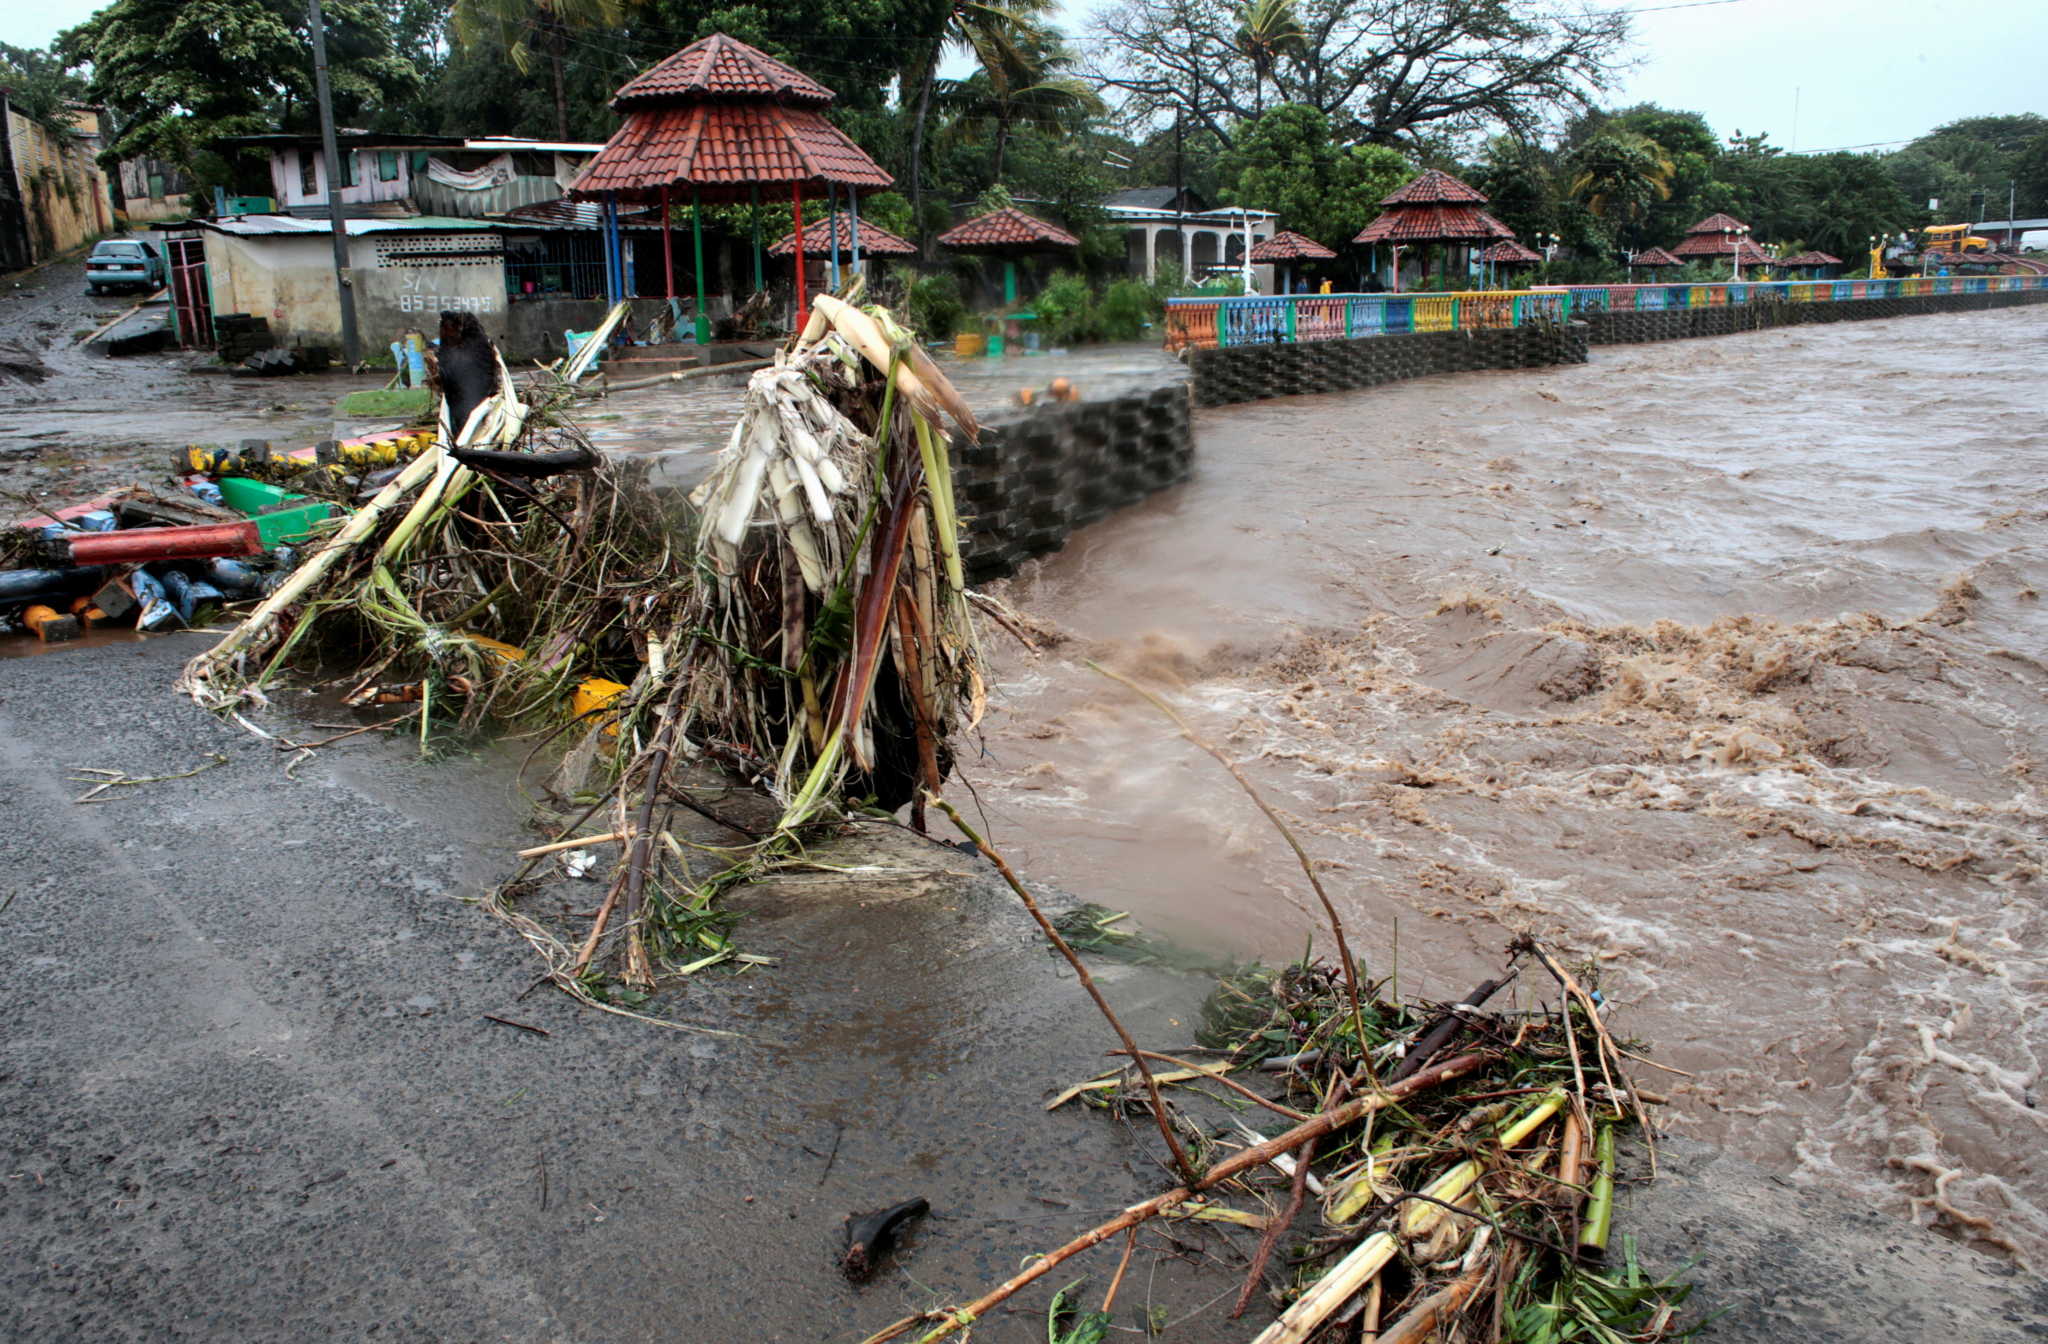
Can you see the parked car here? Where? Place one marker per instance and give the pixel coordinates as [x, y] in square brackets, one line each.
[118, 262]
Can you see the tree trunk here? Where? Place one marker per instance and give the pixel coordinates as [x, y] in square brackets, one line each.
[556, 42]
[924, 107]
[1002, 143]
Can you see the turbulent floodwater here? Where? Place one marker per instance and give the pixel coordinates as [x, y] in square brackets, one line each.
[1720, 662]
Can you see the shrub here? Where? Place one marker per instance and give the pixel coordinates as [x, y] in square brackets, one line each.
[936, 308]
[1127, 307]
[1066, 310]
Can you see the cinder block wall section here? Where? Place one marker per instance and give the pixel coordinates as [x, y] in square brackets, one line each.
[1628, 328]
[1040, 472]
[1253, 372]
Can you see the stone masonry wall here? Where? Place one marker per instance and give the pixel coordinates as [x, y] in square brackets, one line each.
[1253, 372]
[1625, 328]
[1040, 472]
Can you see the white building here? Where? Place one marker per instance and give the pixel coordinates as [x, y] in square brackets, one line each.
[1162, 224]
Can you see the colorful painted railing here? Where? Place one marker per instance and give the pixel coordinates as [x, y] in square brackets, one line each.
[1258, 319]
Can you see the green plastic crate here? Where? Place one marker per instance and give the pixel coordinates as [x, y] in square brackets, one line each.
[279, 521]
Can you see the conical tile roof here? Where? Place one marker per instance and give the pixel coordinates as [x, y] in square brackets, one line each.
[1288, 245]
[719, 66]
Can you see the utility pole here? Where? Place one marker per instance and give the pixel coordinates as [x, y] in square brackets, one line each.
[1179, 225]
[351, 346]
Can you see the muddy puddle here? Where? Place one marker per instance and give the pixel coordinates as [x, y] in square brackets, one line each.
[1719, 662]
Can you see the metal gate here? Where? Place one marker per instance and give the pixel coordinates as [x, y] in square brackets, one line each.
[191, 293]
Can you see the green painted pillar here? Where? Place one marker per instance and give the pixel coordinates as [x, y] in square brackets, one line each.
[697, 241]
[1009, 282]
[754, 191]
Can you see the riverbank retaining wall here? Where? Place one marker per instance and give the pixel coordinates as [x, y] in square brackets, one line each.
[1040, 472]
[1623, 327]
[1254, 372]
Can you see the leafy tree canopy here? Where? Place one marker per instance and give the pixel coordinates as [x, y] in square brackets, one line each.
[1290, 161]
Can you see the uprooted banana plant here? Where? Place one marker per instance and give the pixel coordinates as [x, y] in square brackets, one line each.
[826, 647]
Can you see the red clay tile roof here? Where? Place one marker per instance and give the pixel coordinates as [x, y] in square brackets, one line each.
[1435, 185]
[875, 241]
[1717, 224]
[1434, 224]
[1655, 256]
[1721, 245]
[720, 67]
[1006, 229]
[719, 148]
[1811, 259]
[1288, 245]
[1510, 251]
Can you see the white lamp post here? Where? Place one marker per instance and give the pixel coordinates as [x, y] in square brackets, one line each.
[1740, 234]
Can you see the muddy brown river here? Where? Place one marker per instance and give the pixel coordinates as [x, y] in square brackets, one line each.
[1720, 663]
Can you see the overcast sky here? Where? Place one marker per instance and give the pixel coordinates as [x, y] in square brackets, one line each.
[1812, 74]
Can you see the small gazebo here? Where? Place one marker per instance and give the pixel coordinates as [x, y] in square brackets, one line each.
[722, 120]
[1287, 248]
[826, 237]
[1508, 254]
[1813, 263]
[1718, 235]
[1654, 258]
[1434, 208]
[1008, 233]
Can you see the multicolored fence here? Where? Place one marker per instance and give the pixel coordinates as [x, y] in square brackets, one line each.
[1258, 319]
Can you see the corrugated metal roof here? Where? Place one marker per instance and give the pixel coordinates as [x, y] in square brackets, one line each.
[875, 241]
[720, 148]
[720, 67]
[1409, 223]
[259, 226]
[1006, 229]
[1288, 245]
[1433, 186]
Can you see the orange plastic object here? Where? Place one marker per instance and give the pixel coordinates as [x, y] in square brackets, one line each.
[50, 627]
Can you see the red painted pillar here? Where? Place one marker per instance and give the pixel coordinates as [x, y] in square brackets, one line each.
[796, 196]
[668, 249]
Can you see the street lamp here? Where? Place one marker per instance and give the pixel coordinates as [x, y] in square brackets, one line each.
[1740, 234]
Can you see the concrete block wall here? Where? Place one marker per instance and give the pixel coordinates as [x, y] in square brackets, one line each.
[1253, 372]
[1040, 472]
[1627, 328]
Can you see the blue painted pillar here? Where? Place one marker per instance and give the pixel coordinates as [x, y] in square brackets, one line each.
[613, 281]
[853, 225]
[832, 228]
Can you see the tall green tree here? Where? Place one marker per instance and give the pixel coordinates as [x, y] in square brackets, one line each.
[1291, 161]
[1618, 174]
[39, 85]
[526, 30]
[177, 75]
[991, 33]
[1033, 87]
[1266, 31]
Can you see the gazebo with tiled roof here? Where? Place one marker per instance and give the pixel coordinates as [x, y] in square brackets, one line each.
[1655, 257]
[1008, 233]
[820, 234]
[723, 120]
[1289, 247]
[1814, 262]
[1717, 235]
[1509, 253]
[1435, 208]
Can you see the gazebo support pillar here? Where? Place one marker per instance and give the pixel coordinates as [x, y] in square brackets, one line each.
[668, 247]
[614, 283]
[1009, 282]
[796, 197]
[853, 225]
[697, 242]
[832, 229]
[754, 193]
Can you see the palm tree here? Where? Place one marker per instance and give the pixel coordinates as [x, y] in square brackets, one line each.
[1029, 84]
[515, 26]
[1267, 30]
[1618, 173]
[992, 33]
